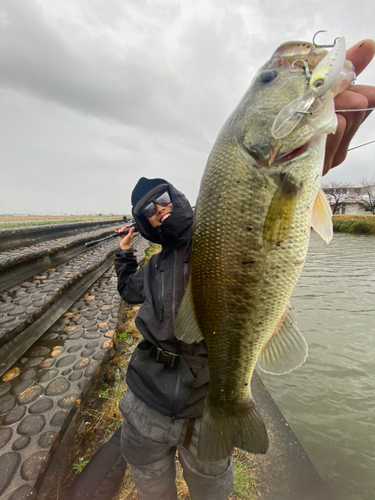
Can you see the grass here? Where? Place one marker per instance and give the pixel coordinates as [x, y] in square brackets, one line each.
[354, 224]
[37, 223]
[127, 489]
[109, 416]
[243, 482]
[152, 249]
[104, 394]
[80, 465]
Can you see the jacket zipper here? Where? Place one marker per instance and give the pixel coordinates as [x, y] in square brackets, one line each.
[174, 289]
[177, 388]
[162, 297]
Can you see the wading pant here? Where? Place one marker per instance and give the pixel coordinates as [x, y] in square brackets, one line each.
[149, 442]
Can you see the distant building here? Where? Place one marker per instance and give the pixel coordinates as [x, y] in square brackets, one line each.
[351, 200]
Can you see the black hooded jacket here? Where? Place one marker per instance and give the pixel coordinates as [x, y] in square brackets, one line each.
[159, 286]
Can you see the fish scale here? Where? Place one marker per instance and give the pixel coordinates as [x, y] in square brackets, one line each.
[250, 237]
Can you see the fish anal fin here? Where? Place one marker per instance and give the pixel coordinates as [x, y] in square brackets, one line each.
[280, 213]
[220, 433]
[321, 218]
[187, 328]
[286, 350]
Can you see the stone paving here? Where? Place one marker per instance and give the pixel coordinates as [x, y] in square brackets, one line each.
[41, 393]
[22, 304]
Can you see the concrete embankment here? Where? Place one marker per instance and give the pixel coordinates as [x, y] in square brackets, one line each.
[285, 472]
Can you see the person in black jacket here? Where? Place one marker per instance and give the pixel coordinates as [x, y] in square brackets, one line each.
[167, 379]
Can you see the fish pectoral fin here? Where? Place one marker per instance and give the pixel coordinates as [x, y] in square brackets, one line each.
[221, 432]
[187, 328]
[321, 218]
[286, 350]
[280, 213]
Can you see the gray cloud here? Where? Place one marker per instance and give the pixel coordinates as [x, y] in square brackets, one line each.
[94, 94]
[133, 90]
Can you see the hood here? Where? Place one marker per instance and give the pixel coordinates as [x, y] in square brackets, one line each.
[177, 228]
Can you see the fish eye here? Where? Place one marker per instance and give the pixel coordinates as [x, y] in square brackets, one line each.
[318, 83]
[267, 76]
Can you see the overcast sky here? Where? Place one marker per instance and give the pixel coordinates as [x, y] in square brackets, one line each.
[97, 93]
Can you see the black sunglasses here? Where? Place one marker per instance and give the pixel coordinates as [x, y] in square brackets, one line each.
[162, 199]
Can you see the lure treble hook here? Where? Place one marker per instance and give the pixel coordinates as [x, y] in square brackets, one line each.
[316, 46]
[320, 80]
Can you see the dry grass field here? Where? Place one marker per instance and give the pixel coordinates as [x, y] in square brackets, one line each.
[8, 221]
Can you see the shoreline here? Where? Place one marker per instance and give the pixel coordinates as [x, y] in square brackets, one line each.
[354, 224]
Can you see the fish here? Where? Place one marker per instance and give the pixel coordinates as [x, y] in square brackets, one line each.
[259, 196]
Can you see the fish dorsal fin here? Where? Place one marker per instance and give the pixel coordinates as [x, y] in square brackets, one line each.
[187, 328]
[321, 218]
[280, 214]
[286, 350]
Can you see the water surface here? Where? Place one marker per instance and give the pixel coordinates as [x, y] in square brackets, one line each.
[330, 401]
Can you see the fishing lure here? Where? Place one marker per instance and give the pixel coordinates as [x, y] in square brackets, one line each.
[320, 80]
[328, 70]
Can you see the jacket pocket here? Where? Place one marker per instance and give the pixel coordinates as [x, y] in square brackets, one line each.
[143, 351]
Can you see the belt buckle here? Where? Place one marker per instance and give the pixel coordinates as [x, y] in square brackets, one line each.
[174, 360]
[167, 358]
[159, 353]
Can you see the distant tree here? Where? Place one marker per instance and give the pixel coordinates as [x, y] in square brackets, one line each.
[366, 196]
[337, 194]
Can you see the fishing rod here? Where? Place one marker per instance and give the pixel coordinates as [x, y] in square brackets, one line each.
[114, 235]
[361, 145]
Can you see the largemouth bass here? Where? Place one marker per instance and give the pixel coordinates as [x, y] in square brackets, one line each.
[259, 195]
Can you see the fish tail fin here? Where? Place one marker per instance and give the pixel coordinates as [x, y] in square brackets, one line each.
[242, 428]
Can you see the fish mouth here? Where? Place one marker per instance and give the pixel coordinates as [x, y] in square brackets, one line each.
[293, 155]
[265, 154]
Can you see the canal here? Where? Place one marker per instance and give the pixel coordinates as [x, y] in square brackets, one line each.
[329, 402]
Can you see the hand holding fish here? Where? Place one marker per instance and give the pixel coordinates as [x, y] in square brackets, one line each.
[357, 97]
